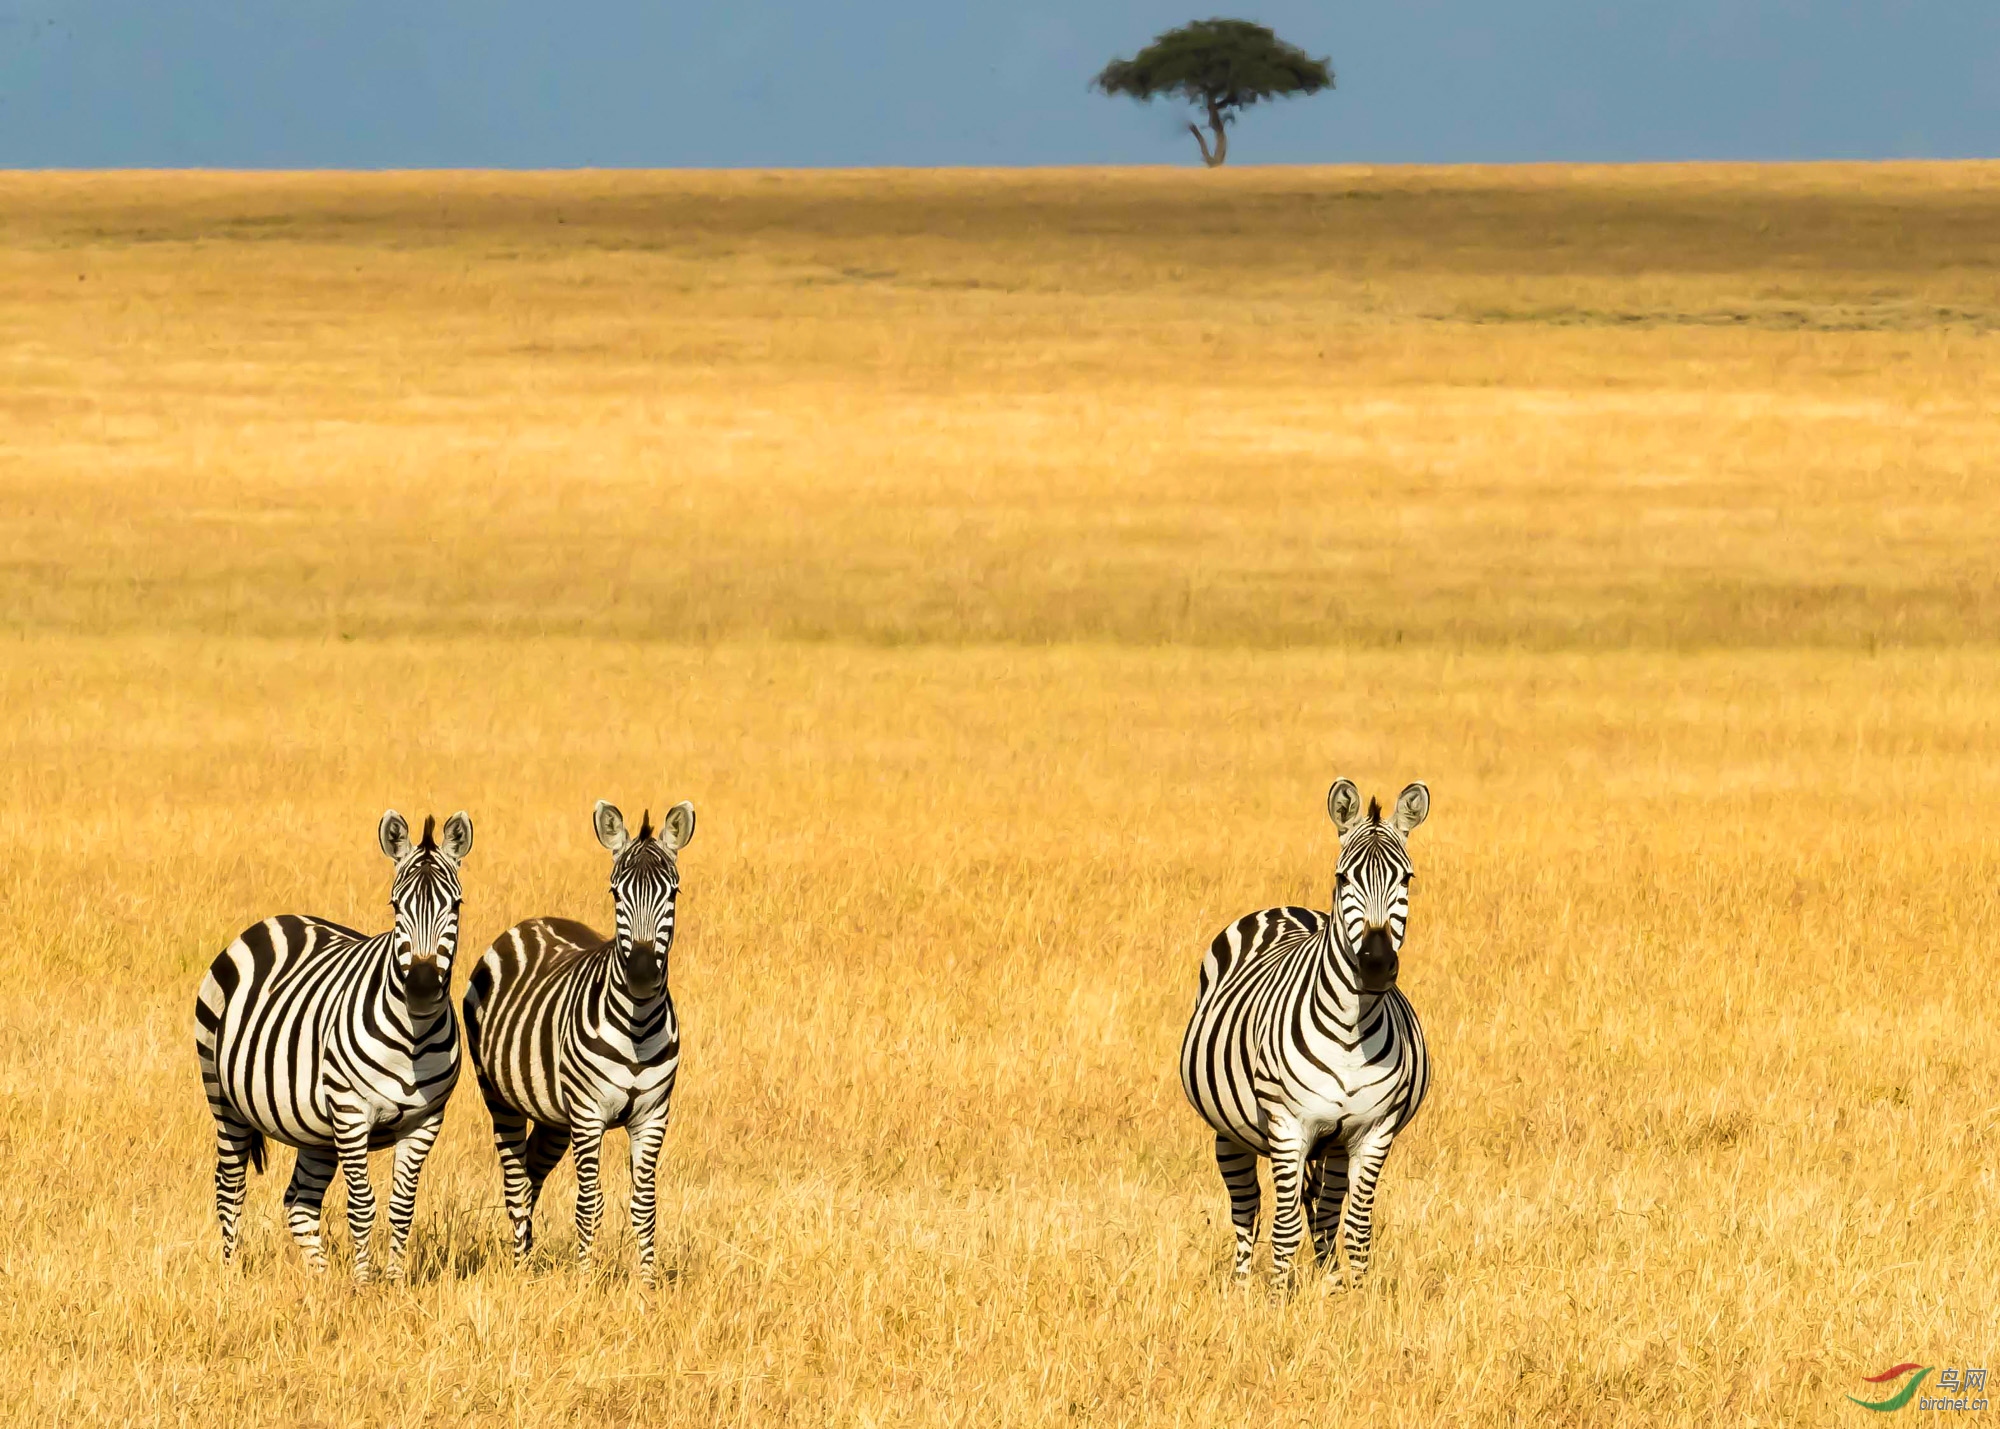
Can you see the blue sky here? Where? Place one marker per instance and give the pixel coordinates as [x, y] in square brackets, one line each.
[501, 83]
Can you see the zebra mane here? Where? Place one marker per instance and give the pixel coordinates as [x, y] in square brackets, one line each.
[429, 841]
[1374, 814]
[646, 824]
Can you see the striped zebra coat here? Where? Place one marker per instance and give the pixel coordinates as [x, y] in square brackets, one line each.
[1301, 1047]
[574, 1034]
[337, 1043]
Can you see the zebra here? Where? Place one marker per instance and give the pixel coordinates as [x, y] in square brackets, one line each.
[1302, 1048]
[575, 1033]
[339, 1044]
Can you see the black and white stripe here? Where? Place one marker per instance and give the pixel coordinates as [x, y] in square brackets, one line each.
[339, 1044]
[1302, 1049]
[574, 1034]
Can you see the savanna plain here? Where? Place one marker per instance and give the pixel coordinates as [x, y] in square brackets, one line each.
[1004, 564]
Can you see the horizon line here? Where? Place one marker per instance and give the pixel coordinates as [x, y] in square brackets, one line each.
[1353, 166]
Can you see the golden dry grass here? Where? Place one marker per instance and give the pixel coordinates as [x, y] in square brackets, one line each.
[1004, 564]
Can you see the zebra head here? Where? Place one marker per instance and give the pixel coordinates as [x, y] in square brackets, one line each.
[644, 883]
[1371, 883]
[425, 897]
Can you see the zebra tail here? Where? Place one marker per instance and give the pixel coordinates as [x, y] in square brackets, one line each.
[257, 1151]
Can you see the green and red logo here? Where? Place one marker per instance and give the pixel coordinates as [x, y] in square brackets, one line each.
[1900, 1397]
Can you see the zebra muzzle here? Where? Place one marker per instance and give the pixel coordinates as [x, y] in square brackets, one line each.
[646, 970]
[425, 987]
[1377, 961]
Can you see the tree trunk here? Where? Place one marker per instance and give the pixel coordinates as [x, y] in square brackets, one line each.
[1212, 157]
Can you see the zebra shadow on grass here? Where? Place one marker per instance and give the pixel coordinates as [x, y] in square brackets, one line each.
[459, 1244]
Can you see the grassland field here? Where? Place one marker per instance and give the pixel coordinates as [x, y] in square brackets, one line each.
[1004, 564]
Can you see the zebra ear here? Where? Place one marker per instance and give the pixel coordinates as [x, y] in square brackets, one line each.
[457, 836]
[1413, 806]
[610, 826]
[1343, 804]
[677, 827]
[394, 835]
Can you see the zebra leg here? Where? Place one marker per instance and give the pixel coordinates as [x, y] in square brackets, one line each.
[1309, 1193]
[1329, 1194]
[409, 1166]
[1238, 1165]
[1288, 1170]
[350, 1143]
[304, 1196]
[236, 1142]
[645, 1160]
[541, 1151]
[510, 1139]
[1367, 1157]
[546, 1147]
[588, 1139]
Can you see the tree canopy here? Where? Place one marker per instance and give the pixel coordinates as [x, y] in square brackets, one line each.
[1223, 66]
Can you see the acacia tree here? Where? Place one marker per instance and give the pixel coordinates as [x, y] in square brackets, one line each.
[1222, 66]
